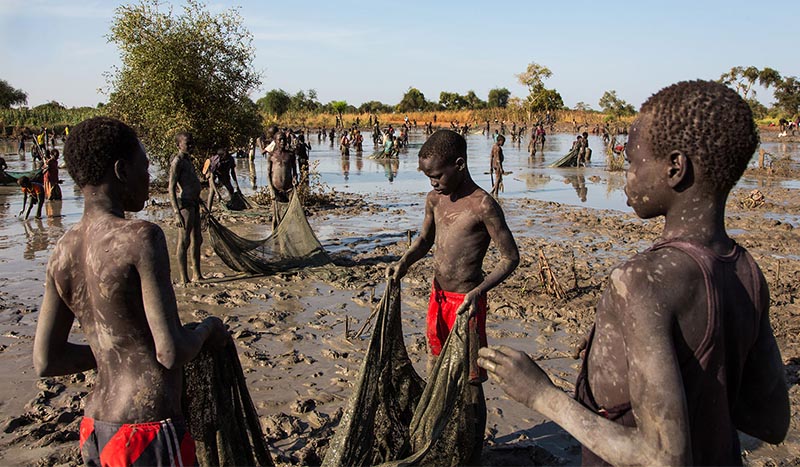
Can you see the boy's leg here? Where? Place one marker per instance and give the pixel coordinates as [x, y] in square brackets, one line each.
[196, 242]
[477, 412]
[40, 206]
[183, 244]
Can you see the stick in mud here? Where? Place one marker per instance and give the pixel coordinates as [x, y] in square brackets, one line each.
[548, 278]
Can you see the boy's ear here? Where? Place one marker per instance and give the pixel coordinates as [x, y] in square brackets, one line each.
[680, 170]
[461, 163]
[121, 170]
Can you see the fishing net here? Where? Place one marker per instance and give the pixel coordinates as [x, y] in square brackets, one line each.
[219, 411]
[391, 419]
[569, 160]
[291, 246]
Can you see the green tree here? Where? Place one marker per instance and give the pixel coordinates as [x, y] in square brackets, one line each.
[452, 101]
[473, 101]
[540, 99]
[276, 102]
[413, 101]
[533, 77]
[498, 97]
[375, 107]
[302, 102]
[10, 96]
[583, 107]
[787, 96]
[183, 72]
[742, 79]
[614, 106]
[339, 107]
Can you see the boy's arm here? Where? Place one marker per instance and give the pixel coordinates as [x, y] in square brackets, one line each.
[24, 203]
[762, 407]
[661, 435]
[492, 216]
[233, 176]
[175, 345]
[173, 191]
[53, 355]
[421, 246]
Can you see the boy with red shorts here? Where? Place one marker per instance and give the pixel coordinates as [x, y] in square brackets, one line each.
[112, 274]
[461, 219]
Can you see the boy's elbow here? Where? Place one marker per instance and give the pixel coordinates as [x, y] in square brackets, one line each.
[168, 359]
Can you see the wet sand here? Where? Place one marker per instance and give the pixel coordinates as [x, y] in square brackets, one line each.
[290, 330]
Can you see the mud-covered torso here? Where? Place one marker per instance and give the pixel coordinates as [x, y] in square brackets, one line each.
[282, 169]
[461, 241]
[98, 280]
[188, 183]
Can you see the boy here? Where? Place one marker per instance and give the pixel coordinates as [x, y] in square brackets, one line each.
[183, 179]
[222, 171]
[36, 192]
[682, 353]
[497, 165]
[112, 273]
[460, 219]
[282, 175]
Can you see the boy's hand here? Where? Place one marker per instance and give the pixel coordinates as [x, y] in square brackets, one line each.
[219, 336]
[470, 303]
[179, 218]
[396, 271]
[515, 373]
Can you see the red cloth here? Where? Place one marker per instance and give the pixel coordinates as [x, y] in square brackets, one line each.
[132, 444]
[442, 308]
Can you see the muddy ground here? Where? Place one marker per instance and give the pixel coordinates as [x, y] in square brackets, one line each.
[300, 364]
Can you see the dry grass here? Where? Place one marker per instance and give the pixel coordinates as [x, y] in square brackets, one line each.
[443, 118]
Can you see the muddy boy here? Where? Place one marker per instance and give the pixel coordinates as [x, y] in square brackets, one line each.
[112, 274]
[461, 219]
[682, 354]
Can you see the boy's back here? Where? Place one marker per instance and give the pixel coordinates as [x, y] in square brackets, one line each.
[95, 268]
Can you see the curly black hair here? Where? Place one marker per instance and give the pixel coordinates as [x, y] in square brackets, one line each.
[446, 145]
[707, 121]
[94, 145]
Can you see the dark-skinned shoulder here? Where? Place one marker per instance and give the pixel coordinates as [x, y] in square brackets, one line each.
[667, 277]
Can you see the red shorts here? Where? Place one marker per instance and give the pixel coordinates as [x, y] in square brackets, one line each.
[442, 309]
[161, 443]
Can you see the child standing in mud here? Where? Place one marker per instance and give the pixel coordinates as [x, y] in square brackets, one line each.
[183, 181]
[497, 165]
[682, 354]
[282, 175]
[461, 219]
[112, 274]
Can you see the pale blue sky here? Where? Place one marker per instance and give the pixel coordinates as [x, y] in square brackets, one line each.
[359, 51]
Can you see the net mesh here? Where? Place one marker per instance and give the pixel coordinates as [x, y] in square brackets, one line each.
[393, 418]
[219, 411]
[291, 246]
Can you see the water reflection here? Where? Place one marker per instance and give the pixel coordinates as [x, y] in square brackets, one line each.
[578, 182]
[35, 238]
[390, 167]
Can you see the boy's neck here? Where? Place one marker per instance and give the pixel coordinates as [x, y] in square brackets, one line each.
[101, 200]
[700, 219]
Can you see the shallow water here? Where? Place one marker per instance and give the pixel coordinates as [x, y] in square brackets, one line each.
[396, 185]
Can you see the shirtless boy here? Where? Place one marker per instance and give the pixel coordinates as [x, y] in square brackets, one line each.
[461, 219]
[682, 353]
[224, 173]
[282, 175]
[112, 274]
[497, 165]
[34, 191]
[184, 195]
